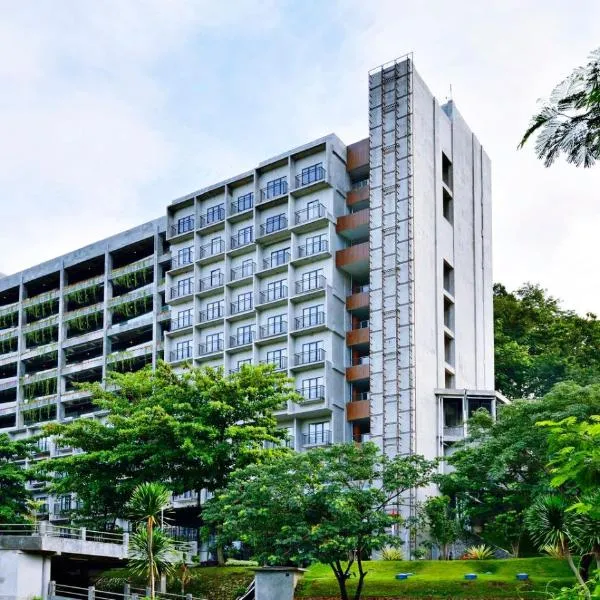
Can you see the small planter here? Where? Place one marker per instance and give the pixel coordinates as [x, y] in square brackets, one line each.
[402, 576]
[470, 576]
[522, 576]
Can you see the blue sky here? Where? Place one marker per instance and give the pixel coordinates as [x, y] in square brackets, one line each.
[111, 109]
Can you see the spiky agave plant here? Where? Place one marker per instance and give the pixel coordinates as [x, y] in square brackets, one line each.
[481, 552]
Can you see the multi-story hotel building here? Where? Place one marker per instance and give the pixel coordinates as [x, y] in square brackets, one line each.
[361, 271]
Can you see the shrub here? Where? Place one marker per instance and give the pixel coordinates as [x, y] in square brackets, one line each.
[553, 551]
[482, 552]
[391, 553]
[235, 562]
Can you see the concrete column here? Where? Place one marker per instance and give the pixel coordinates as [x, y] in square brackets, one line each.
[83, 533]
[47, 585]
[127, 591]
[276, 583]
[163, 584]
[91, 592]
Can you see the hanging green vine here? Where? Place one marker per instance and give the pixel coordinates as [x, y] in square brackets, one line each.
[38, 414]
[135, 279]
[38, 311]
[39, 337]
[8, 345]
[84, 323]
[9, 320]
[120, 361]
[43, 387]
[84, 296]
[133, 308]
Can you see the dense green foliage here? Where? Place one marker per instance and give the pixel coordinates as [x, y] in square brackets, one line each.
[325, 505]
[538, 343]
[504, 465]
[569, 121]
[445, 579]
[13, 479]
[188, 431]
[439, 517]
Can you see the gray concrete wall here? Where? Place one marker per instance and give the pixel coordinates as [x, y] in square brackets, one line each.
[23, 576]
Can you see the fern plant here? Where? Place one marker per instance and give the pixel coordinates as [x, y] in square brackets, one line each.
[481, 552]
[391, 553]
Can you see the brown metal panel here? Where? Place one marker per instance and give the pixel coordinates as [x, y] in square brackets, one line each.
[360, 300]
[357, 155]
[356, 196]
[357, 372]
[357, 253]
[360, 409]
[357, 336]
[352, 221]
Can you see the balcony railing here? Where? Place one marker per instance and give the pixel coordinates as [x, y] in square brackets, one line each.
[245, 202]
[360, 289]
[182, 322]
[271, 295]
[212, 249]
[313, 248]
[307, 358]
[240, 240]
[209, 283]
[184, 353]
[280, 363]
[314, 211]
[214, 216]
[322, 438]
[276, 260]
[179, 291]
[210, 314]
[240, 306]
[241, 339]
[182, 226]
[272, 329]
[310, 284]
[310, 175]
[312, 393]
[243, 271]
[274, 189]
[210, 347]
[311, 320]
[454, 431]
[273, 225]
[181, 260]
[358, 396]
[361, 438]
[361, 325]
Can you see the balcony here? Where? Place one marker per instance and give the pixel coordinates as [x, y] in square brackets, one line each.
[359, 299]
[354, 226]
[357, 156]
[309, 358]
[275, 191]
[310, 321]
[272, 330]
[454, 433]
[277, 294]
[354, 259]
[179, 261]
[210, 283]
[212, 218]
[211, 250]
[358, 372]
[181, 291]
[211, 314]
[277, 261]
[280, 364]
[184, 353]
[242, 239]
[313, 393]
[357, 410]
[182, 322]
[242, 204]
[211, 347]
[274, 227]
[312, 249]
[310, 217]
[310, 286]
[310, 179]
[322, 438]
[359, 335]
[241, 339]
[183, 226]
[241, 306]
[242, 272]
[358, 198]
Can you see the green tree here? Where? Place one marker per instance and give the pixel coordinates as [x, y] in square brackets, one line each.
[503, 465]
[325, 505]
[14, 496]
[442, 522]
[538, 343]
[569, 121]
[148, 502]
[187, 430]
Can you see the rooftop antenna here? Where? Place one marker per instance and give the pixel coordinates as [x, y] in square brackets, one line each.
[449, 96]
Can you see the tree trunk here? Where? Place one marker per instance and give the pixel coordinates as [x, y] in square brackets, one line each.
[361, 578]
[220, 555]
[339, 575]
[445, 551]
[569, 557]
[515, 549]
[151, 558]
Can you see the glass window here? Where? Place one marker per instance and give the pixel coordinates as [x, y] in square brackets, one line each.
[247, 267]
[275, 223]
[312, 351]
[185, 224]
[316, 244]
[244, 361]
[216, 277]
[278, 358]
[214, 342]
[184, 256]
[184, 318]
[312, 173]
[244, 301]
[312, 388]
[276, 324]
[279, 257]
[214, 310]
[245, 202]
[276, 290]
[244, 334]
[215, 213]
[311, 279]
[318, 433]
[277, 187]
[183, 350]
[313, 315]
[184, 286]
[216, 245]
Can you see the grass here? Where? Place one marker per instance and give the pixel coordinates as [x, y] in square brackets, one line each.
[445, 579]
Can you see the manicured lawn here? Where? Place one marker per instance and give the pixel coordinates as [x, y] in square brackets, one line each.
[445, 579]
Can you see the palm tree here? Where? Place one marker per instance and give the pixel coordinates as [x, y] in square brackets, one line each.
[569, 121]
[587, 529]
[150, 560]
[148, 501]
[550, 524]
